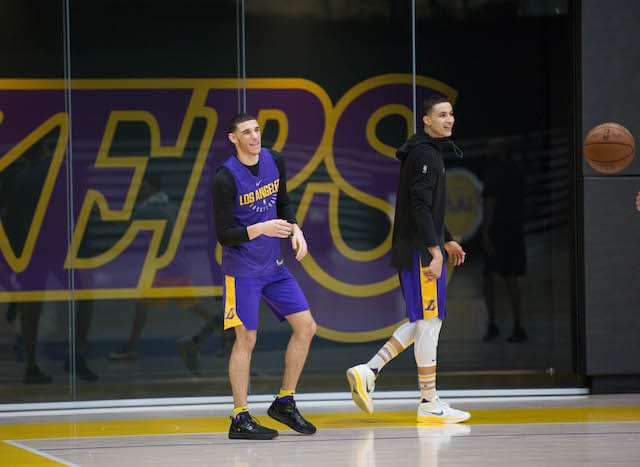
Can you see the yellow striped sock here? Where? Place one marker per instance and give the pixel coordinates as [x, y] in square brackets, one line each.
[387, 353]
[427, 385]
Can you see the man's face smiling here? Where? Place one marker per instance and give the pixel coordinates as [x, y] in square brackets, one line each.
[247, 139]
[439, 122]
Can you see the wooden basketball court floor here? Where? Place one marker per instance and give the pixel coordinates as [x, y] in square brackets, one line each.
[577, 430]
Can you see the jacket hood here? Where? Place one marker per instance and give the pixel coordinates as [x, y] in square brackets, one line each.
[419, 139]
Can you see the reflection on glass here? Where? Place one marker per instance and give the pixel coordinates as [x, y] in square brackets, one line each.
[505, 253]
[153, 203]
[510, 312]
[336, 97]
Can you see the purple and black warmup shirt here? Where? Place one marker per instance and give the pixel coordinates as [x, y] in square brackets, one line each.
[255, 202]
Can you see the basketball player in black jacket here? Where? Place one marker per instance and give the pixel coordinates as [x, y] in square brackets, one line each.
[420, 243]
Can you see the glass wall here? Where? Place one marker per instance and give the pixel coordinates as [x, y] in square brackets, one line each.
[510, 197]
[38, 325]
[113, 121]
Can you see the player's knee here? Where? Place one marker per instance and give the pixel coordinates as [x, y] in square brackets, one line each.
[307, 327]
[246, 340]
[313, 327]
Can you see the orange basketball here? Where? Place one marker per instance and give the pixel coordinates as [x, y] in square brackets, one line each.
[609, 147]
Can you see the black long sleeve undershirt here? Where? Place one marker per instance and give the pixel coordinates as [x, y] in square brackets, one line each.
[224, 195]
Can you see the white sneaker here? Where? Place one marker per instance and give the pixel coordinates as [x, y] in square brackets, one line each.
[362, 383]
[438, 411]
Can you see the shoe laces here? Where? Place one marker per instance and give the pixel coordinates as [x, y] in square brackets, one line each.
[253, 420]
[289, 404]
[441, 403]
[245, 416]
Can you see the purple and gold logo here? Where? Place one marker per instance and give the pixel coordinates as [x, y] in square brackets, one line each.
[78, 177]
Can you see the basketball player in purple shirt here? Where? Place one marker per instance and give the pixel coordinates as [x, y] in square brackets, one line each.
[419, 244]
[252, 215]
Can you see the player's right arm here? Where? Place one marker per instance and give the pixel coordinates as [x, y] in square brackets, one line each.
[422, 184]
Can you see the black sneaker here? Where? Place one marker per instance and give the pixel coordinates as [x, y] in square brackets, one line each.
[244, 426]
[34, 375]
[82, 369]
[287, 413]
[492, 332]
[519, 335]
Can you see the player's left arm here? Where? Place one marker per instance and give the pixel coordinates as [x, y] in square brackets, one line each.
[298, 242]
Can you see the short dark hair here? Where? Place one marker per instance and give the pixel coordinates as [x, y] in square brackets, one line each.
[237, 119]
[432, 100]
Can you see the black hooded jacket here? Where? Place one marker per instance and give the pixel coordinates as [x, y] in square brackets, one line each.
[420, 202]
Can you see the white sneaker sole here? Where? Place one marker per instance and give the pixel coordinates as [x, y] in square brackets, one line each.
[442, 419]
[358, 393]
